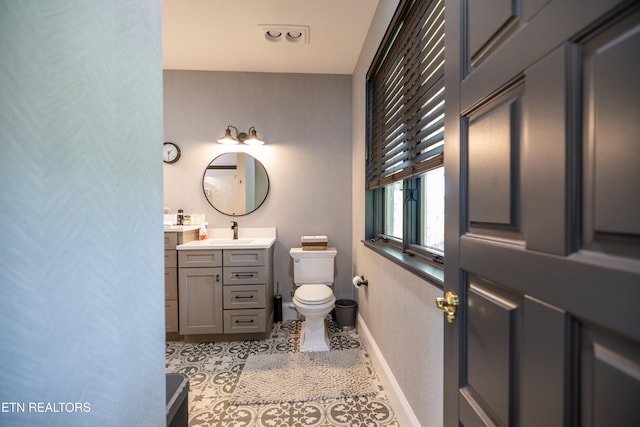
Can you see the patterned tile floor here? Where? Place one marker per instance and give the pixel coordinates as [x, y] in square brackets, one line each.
[214, 370]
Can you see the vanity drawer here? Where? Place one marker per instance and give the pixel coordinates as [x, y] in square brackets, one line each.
[244, 275]
[170, 258]
[243, 321]
[200, 258]
[244, 296]
[243, 257]
[171, 316]
[170, 240]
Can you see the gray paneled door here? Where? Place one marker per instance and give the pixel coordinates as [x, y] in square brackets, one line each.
[543, 213]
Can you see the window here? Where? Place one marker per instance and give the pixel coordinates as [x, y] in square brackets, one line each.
[405, 132]
[432, 210]
[393, 210]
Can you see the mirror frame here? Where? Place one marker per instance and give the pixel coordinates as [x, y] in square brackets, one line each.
[210, 201]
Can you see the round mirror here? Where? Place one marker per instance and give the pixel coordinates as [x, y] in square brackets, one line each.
[235, 183]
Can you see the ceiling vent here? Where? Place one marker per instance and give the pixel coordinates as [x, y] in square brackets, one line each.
[289, 34]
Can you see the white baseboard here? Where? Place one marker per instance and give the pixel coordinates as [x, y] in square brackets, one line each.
[401, 408]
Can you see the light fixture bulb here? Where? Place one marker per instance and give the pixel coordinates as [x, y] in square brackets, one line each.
[253, 138]
[228, 138]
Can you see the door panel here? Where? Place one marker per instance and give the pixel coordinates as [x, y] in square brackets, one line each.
[494, 129]
[493, 319]
[610, 379]
[530, 41]
[612, 152]
[493, 161]
[488, 22]
[543, 213]
[541, 331]
[471, 413]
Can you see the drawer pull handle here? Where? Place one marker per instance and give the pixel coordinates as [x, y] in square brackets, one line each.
[243, 297]
[243, 276]
[244, 321]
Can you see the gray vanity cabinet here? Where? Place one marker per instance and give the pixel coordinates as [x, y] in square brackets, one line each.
[200, 292]
[171, 240]
[226, 293]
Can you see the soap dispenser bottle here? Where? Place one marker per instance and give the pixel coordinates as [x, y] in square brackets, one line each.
[203, 231]
[180, 217]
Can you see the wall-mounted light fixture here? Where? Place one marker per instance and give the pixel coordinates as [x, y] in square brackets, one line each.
[249, 138]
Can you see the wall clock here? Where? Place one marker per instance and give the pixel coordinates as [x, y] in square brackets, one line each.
[170, 152]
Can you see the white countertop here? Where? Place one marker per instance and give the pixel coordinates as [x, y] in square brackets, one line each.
[222, 238]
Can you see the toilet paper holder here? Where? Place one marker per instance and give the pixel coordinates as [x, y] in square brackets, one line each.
[359, 281]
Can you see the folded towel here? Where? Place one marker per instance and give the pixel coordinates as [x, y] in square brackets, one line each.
[314, 239]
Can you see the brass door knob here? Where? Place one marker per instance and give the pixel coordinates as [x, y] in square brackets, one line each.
[448, 304]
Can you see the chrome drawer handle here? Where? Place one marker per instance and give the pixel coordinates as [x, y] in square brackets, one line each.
[242, 297]
[238, 275]
[244, 321]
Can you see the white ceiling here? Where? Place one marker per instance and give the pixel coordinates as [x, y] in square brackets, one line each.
[223, 35]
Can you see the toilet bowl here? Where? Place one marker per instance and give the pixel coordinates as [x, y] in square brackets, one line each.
[314, 302]
[313, 297]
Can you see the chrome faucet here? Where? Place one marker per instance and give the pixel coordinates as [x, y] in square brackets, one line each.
[234, 227]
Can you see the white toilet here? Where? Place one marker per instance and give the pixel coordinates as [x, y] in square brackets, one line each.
[313, 297]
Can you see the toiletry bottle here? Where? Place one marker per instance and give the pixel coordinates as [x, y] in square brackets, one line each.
[180, 217]
[203, 231]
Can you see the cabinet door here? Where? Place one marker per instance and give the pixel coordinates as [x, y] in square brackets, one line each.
[200, 300]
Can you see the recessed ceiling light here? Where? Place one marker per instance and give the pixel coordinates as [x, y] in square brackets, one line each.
[294, 36]
[273, 35]
[284, 33]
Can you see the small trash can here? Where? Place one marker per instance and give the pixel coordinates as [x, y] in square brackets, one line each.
[346, 313]
[177, 400]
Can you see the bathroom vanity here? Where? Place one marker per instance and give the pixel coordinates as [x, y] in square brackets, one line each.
[225, 286]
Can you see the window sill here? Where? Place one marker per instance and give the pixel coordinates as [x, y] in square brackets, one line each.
[421, 268]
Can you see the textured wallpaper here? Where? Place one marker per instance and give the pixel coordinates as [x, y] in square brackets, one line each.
[81, 247]
[306, 120]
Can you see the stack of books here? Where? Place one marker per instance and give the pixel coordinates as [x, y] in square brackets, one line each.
[314, 243]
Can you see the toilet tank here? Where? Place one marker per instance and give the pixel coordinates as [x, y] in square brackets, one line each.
[313, 266]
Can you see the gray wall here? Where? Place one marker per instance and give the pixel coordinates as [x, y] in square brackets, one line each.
[81, 258]
[306, 120]
[397, 307]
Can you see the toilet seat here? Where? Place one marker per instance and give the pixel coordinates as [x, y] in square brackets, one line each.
[313, 294]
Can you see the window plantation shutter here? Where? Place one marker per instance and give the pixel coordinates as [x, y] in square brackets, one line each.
[405, 102]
